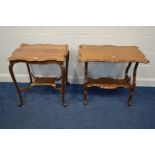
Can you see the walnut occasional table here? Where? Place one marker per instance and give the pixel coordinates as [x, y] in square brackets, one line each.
[41, 54]
[113, 54]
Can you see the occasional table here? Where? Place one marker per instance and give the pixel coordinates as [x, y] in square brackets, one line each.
[112, 54]
[41, 54]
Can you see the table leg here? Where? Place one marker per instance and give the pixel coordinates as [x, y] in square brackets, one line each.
[28, 68]
[127, 69]
[63, 73]
[15, 82]
[133, 84]
[85, 83]
[67, 61]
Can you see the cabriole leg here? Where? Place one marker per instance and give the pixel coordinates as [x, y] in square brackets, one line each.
[15, 83]
[28, 68]
[67, 61]
[133, 84]
[63, 84]
[85, 83]
[127, 70]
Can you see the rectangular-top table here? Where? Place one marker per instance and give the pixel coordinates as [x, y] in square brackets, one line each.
[41, 54]
[113, 54]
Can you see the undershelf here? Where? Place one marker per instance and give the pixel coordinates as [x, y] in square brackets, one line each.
[44, 81]
[108, 83]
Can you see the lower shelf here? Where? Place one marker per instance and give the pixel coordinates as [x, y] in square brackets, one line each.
[108, 83]
[44, 81]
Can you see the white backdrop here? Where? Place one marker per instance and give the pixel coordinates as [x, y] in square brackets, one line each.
[143, 37]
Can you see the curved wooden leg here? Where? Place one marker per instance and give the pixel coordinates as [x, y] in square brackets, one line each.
[67, 61]
[127, 70]
[85, 84]
[28, 68]
[63, 84]
[130, 96]
[133, 85]
[85, 96]
[15, 83]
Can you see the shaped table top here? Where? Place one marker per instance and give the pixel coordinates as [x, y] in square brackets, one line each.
[40, 52]
[110, 53]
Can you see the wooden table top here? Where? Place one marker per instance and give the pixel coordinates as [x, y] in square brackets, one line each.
[110, 53]
[40, 52]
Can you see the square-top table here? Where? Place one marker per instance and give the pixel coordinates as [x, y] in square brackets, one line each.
[113, 54]
[41, 54]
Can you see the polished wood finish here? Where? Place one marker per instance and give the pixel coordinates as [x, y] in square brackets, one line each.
[108, 53]
[42, 54]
